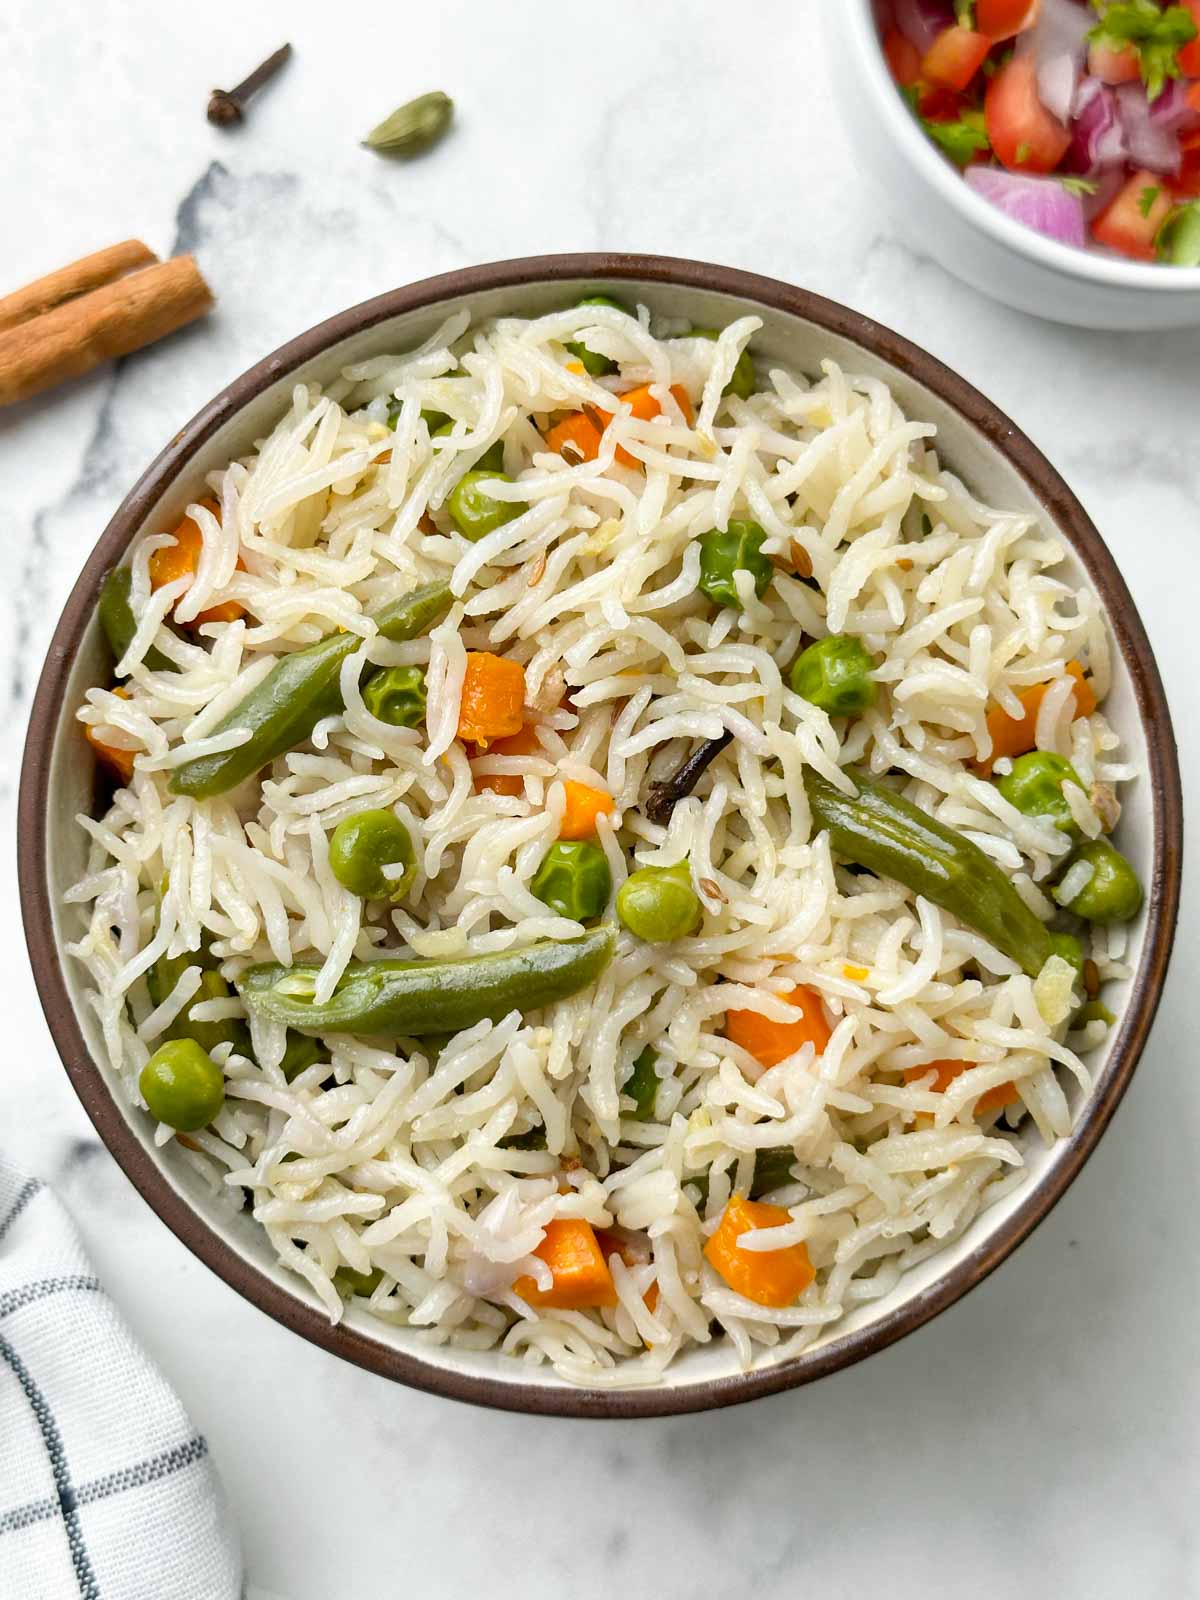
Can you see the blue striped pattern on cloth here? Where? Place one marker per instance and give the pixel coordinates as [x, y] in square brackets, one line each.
[107, 1492]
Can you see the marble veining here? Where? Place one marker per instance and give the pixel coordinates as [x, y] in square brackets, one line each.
[1039, 1438]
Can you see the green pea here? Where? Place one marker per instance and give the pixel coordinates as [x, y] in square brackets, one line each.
[1112, 893]
[1069, 948]
[161, 980]
[594, 364]
[347, 1282]
[738, 549]
[1035, 787]
[492, 459]
[835, 674]
[362, 845]
[300, 1053]
[574, 879]
[642, 1084]
[744, 381]
[658, 904]
[433, 420]
[182, 1085]
[396, 695]
[476, 514]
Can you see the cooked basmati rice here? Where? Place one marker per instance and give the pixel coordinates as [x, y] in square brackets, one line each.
[396, 1159]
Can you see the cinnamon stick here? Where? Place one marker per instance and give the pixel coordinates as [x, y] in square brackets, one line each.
[90, 273]
[107, 322]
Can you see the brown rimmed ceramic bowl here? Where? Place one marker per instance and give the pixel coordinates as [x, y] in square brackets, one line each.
[798, 330]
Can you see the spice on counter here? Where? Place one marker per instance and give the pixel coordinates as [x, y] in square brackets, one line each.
[412, 127]
[93, 311]
[228, 106]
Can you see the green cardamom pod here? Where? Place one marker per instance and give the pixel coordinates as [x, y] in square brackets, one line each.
[414, 126]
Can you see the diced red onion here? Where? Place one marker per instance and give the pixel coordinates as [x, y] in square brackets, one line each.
[1058, 44]
[1173, 109]
[1151, 144]
[1040, 203]
[920, 21]
[1098, 137]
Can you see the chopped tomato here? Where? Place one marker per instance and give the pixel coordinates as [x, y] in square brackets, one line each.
[941, 105]
[1114, 66]
[903, 58]
[1185, 184]
[954, 57]
[1025, 137]
[1189, 55]
[1003, 19]
[1130, 222]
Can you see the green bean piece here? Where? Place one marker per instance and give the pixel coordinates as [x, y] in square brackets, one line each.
[835, 674]
[396, 695]
[642, 1085]
[347, 1282]
[303, 686]
[182, 1085]
[475, 513]
[1069, 948]
[658, 904]
[1035, 787]
[299, 1054]
[361, 847]
[1112, 893]
[433, 420]
[772, 1169]
[594, 364]
[531, 1139]
[738, 549]
[574, 879]
[744, 381]
[882, 831]
[117, 620]
[396, 999]
[161, 980]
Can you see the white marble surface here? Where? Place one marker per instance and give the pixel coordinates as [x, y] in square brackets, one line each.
[1038, 1439]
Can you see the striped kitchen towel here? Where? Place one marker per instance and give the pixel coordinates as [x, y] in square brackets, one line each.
[106, 1489]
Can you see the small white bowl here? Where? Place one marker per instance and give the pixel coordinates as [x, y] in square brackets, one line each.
[945, 219]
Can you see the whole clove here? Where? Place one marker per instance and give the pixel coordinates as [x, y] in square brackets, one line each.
[664, 796]
[228, 106]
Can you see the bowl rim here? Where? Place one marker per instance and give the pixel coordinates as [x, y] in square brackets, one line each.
[424, 1373]
[1068, 261]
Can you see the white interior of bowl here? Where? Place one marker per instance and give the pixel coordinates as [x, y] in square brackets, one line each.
[785, 340]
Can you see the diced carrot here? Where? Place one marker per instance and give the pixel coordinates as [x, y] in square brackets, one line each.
[770, 1042]
[768, 1277]
[1004, 1094]
[644, 406]
[576, 438]
[493, 694]
[583, 806]
[581, 1276]
[523, 743]
[1013, 737]
[118, 761]
[181, 560]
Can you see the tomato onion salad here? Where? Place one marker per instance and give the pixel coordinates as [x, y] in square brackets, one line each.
[1079, 118]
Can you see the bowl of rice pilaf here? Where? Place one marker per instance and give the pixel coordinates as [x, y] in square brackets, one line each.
[600, 835]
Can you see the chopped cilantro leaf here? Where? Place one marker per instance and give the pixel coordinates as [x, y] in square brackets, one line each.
[962, 139]
[964, 13]
[1157, 36]
[1024, 152]
[1147, 197]
[1079, 185]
